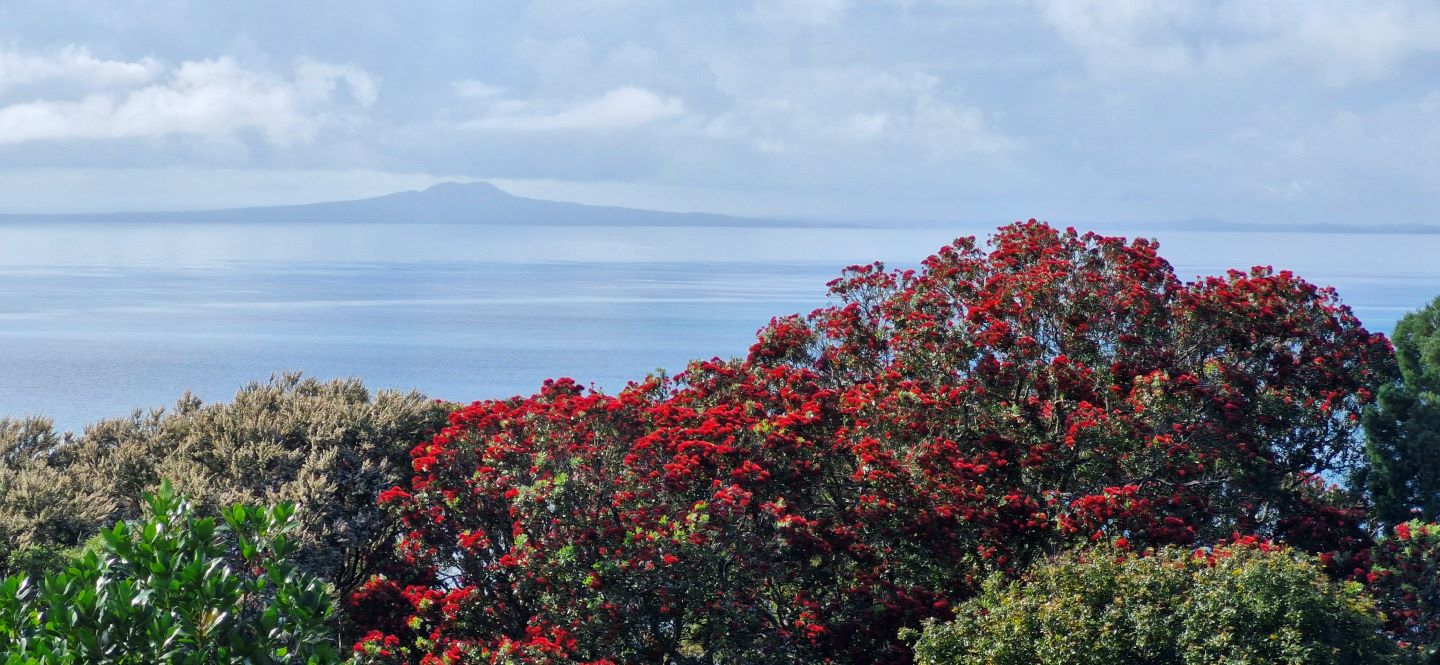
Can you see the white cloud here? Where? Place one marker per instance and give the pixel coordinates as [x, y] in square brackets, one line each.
[1343, 40]
[804, 12]
[317, 81]
[621, 108]
[946, 130]
[475, 89]
[847, 111]
[867, 125]
[1337, 40]
[1121, 108]
[1431, 103]
[207, 98]
[1123, 35]
[73, 63]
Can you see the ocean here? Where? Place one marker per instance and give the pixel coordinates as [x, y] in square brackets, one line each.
[99, 319]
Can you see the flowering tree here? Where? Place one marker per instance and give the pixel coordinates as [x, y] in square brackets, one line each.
[1406, 580]
[865, 466]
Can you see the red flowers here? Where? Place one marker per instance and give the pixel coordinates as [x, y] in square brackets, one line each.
[865, 466]
[392, 496]
[1406, 580]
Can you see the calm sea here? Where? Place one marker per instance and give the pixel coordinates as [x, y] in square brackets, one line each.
[96, 320]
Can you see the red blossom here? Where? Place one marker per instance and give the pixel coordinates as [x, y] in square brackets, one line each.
[865, 466]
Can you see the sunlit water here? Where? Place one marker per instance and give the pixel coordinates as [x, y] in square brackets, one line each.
[96, 320]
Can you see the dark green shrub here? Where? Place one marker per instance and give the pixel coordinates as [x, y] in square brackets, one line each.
[1402, 429]
[1241, 604]
[38, 561]
[175, 589]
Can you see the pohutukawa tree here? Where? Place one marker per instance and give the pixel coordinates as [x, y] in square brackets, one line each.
[867, 465]
[1405, 578]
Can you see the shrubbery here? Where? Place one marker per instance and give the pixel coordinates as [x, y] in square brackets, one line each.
[175, 588]
[327, 447]
[1236, 604]
[46, 510]
[1406, 580]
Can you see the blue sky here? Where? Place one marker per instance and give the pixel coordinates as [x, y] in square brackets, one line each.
[1071, 110]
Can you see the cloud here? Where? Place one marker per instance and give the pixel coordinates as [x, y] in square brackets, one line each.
[1430, 105]
[803, 12]
[317, 82]
[207, 98]
[1101, 108]
[850, 111]
[475, 89]
[1340, 41]
[73, 63]
[1343, 40]
[1123, 35]
[621, 108]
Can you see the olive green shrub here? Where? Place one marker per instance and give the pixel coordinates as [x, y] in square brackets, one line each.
[327, 447]
[45, 508]
[1236, 605]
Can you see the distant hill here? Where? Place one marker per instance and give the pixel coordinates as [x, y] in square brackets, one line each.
[477, 203]
[480, 203]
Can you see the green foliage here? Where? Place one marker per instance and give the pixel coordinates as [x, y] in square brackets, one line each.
[1406, 581]
[40, 560]
[1235, 605]
[327, 447]
[1402, 430]
[1417, 348]
[175, 589]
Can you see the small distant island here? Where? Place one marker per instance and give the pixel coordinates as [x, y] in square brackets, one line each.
[483, 204]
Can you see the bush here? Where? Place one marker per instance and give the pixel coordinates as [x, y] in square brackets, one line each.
[327, 447]
[45, 508]
[1406, 580]
[175, 589]
[1238, 604]
[866, 465]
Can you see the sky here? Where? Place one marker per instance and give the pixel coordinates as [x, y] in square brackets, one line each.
[1276, 111]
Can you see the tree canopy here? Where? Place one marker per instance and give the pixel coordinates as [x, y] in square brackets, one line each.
[866, 466]
[1402, 431]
